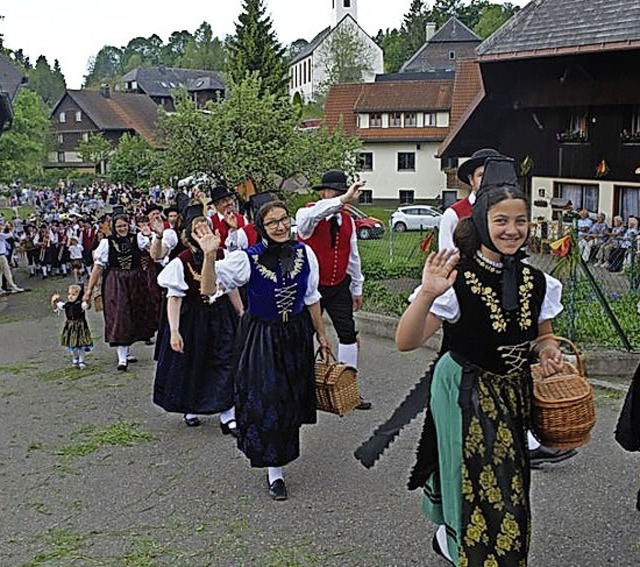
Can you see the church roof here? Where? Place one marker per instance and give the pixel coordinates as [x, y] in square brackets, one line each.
[549, 27]
[311, 46]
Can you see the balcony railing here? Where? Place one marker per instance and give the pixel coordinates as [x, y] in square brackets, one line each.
[572, 137]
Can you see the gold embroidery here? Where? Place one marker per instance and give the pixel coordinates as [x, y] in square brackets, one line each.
[197, 276]
[264, 271]
[526, 289]
[477, 529]
[490, 299]
[298, 263]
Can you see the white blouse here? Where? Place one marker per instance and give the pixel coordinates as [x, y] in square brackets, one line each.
[447, 308]
[101, 253]
[232, 272]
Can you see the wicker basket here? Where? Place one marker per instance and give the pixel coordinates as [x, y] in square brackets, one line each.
[336, 386]
[563, 406]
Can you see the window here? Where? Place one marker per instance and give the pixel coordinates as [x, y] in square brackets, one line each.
[631, 129]
[406, 161]
[375, 120]
[575, 127]
[60, 138]
[395, 119]
[78, 116]
[429, 119]
[581, 196]
[366, 161]
[452, 55]
[347, 3]
[62, 117]
[61, 157]
[85, 136]
[410, 119]
[406, 196]
[366, 196]
[628, 202]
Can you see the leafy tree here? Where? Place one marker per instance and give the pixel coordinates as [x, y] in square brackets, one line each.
[392, 44]
[23, 149]
[492, 17]
[106, 66]
[95, 150]
[294, 48]
[255, 49]
[344, 57]
[47, 82]
[175, 48]
[249, 135]
[142, 51]
[203, 51]
[413, 27]
[132, 161]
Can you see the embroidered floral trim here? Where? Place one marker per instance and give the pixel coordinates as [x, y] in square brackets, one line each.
[298, 263]
[263, 270]
[197, 276]
[494, 267]
[490, 299]
[526, 289]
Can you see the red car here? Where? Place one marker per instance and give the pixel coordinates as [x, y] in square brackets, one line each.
[366, 227]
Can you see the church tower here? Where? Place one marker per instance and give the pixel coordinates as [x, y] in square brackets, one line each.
[341, 8]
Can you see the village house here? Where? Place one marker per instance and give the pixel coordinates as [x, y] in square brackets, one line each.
[10, 80]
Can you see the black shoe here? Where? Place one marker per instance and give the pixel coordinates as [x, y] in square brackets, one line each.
[438, 550]
[227, 429]
[131, 359]
[192, 421]
[149, 342]
[543, 455]
[364, 404]
[277, 490]
[122, 367]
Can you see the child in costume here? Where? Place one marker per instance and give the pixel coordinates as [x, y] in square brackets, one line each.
[76, 336]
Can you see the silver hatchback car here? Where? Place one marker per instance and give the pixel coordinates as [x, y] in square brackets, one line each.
[415, 217]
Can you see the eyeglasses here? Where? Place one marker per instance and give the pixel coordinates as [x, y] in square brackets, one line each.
[284, 221]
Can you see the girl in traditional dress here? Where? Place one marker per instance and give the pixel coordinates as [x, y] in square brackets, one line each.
[76, 336]
[274, 355]
[125, 297]
[473, 459]
[194, 373]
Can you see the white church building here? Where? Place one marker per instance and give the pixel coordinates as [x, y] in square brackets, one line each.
[307, 70]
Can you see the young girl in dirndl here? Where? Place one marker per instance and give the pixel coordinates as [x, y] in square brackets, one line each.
[76, 336]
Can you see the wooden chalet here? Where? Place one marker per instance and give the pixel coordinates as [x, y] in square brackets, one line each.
[80, 113]
[10, 80]
[558, 88]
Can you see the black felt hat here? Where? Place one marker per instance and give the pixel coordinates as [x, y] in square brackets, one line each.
[152, 207]
[476, 160]
[220, 192]
[333, 179]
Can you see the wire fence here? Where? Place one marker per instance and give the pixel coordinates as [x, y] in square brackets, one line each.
[600, 301]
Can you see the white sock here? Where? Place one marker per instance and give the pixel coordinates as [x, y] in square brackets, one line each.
[190, 415]
[532, 442]
[348, 354]
[228, 415]
[275, 473]
[441, 536]
[122, 354]
[80, 356]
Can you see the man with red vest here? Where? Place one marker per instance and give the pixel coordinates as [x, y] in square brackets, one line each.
[470, 173]
[225, 217]
[331, 233]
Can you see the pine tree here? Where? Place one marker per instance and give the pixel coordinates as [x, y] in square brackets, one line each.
[255, 49]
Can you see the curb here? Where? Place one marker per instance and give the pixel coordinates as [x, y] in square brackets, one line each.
[607, 369]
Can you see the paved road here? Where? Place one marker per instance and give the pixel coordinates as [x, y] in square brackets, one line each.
[187, 497]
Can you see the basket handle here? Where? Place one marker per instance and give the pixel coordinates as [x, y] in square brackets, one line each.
[319, 355]
[579, 361]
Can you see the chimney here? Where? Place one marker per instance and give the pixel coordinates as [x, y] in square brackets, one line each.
[105, 91]
[431, 30]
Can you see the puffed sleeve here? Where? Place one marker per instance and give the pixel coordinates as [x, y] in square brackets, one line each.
[169, 238]
[101, 253]
[144, 242]
[552, 303]
[232, 272]
[312, 294]
[172, 278]
[445, 306]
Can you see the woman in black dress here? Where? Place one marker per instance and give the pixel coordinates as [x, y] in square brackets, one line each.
[274, 354]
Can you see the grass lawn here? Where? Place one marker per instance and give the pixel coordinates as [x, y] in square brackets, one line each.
[23, 212]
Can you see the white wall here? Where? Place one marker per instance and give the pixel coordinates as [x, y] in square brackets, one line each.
[386, 181]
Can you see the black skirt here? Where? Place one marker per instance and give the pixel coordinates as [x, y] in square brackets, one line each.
[275, 387]
[200, 379]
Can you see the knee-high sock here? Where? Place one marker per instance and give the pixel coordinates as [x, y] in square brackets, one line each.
[275, 473]
[532, 442]
[348, 354]
[122, 354]
[228, 415]
[441, 536]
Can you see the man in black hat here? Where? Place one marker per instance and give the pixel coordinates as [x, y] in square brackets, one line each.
[225, 217]
[331, 233]
[470, 173]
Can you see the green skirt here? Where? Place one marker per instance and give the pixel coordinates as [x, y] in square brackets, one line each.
[480, 490]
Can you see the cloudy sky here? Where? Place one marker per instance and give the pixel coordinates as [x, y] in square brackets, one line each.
[72, 31]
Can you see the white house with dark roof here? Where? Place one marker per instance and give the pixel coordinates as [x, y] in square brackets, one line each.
[307, 70]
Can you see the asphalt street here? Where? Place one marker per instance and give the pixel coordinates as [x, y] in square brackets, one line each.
[187, 497]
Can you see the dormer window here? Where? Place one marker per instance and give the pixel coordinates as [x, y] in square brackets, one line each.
[375, 120]
[395, 119]
[78, 116]
[410, 120]
[62, 117]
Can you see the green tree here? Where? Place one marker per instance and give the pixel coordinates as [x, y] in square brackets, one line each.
[249, 135]
[344, 57]
[492, 17]
[392, 44]
[23, 149]
[95, 150]
[413, 27]
[175, 48]
[105, 67]
[255, 49]
[132, 161]
[203, 51]
[47, 82]
[142, 51]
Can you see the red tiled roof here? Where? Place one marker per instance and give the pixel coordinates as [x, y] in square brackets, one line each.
[340, 106]
[427, 95]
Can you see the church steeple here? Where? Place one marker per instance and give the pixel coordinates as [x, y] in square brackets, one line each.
[341, 8]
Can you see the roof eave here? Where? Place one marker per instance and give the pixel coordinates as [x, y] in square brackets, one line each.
[560, 51]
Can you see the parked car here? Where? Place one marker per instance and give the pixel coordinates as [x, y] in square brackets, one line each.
[366, 226]
[415, 217]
